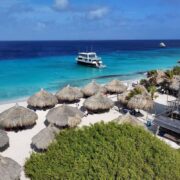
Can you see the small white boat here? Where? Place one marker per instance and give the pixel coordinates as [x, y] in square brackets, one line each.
[162, 45]
[89, 59]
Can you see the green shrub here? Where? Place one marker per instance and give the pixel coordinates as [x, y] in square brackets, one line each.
[152, 90]
[176, 70]
[147, 82]
[134, 92]
[169, 74]
[105, 151]
[144, 82]
[151, 73]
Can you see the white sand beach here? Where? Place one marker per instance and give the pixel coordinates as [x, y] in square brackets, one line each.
[20, 142]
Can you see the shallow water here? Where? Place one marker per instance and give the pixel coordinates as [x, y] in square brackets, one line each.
[25, 67]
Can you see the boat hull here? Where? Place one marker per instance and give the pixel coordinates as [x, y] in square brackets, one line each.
[87, 64]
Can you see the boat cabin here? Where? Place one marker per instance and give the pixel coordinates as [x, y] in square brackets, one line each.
[89, 59]
[88, 56]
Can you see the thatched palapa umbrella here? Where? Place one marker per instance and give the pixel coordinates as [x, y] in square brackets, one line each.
[69, 94]
[102, 90]
[64, 116]
[142, 89]
[175, 83]
[4, 139]
[17, 117]
[45, 137]
[176, 77]
[98, 102]
[141, 102]
[123, 98]
[42, 99]
[161, 77]
[116, 86]
[161, 73]
[158, 78]
[127, 118]
[92, 89]
[9, 169]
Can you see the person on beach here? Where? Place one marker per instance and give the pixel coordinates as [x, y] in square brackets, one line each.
[86, 113]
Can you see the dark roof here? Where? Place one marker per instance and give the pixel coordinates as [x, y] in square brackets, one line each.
[168, 123]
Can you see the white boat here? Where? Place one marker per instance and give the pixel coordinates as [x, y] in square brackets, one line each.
[162, 45]
[89, 59]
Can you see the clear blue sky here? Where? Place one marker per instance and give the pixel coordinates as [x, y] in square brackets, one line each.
[93, 19]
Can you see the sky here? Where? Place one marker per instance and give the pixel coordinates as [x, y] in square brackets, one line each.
[89, 20]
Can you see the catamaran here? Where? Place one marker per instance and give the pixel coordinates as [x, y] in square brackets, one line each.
[89, 59]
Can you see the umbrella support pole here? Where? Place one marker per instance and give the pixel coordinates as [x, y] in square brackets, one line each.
[146, 116]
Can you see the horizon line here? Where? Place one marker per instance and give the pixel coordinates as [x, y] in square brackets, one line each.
[90, 40]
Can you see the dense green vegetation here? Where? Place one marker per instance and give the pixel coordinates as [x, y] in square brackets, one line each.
[152, 80]
[176, 70]
[151, 73]
[172, 72]
[152, 90]
[134, 92]
[105, 151]
[169, 73]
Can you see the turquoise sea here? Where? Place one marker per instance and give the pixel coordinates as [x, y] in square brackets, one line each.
[23, 72]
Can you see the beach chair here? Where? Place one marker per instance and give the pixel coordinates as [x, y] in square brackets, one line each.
[125, 110]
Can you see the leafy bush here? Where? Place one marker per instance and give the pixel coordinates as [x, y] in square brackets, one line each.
[169, 74]
[176, 70]
[151, 73]
[152, 90]
[134, 92]
[105, 151]
[147, 82]
[144, 82]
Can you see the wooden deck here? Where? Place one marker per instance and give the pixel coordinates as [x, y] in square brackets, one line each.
[168, 123]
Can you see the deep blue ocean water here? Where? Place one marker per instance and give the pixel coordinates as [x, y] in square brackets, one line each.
[25, 67]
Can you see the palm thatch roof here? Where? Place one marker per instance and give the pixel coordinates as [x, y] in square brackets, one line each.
[98, 102]
[9, 169]
[42, 99]
[4, 139]
[91, 89]
[17, 117]
[158, 78]
[64, 116]
[45, 137]
[161, 73]
[123, 98]
[176, 77]
[161, 77]
[142, 89]
[116, 86]
[102, 90]
[69, 94]
[175, 83]
[127, 118]
[141, 102]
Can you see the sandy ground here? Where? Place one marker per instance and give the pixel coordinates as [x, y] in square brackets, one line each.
[20, 141]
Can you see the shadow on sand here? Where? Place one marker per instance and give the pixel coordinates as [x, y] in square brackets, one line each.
[17, 129]
[40, 109]
[4, 147]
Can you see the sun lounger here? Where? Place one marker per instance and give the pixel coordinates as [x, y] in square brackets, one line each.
[172, 138]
